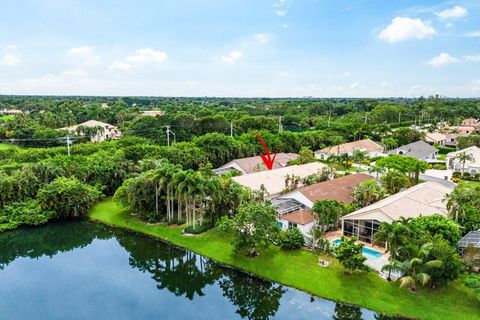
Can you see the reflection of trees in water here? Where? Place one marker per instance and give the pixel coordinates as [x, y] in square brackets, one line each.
[180, 272]
[48, 240]
[255, 299]
[347, 312]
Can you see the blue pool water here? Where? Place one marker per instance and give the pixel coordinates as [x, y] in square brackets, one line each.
[367, 252]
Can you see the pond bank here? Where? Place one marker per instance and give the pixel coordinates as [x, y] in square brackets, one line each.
[299, 269]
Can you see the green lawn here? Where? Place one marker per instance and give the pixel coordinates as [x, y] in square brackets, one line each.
[300, 269]
[469, 184]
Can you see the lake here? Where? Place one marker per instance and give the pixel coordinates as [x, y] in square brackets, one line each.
[84, 270]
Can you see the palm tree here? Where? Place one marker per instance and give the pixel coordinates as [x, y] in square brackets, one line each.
[179, 179]
[389, 143]
[463, 157]
[359, 156]
[367, 193]
[377, 170]
[395, 235]
[415, 270]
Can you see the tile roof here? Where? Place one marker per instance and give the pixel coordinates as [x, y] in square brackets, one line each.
[255, 164]
[418, 149]
[274, 180]
[435, 136]
[364, 145]
[339, 189]
[423, 199]
[302, 217]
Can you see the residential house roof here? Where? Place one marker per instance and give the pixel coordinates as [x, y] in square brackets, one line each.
[274, 180]
[421, 200]
[339, 189]
[474, 151]
[301, 216]
[418, 149]
[255, 164]
[365, 145]
[471, 122]
[435, 137]
[90, 124]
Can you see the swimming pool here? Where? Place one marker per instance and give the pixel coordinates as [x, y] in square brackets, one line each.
[367, 252]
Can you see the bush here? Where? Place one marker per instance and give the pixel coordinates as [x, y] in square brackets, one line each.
[207, 225]
[67, 197]
[456, 174]
[444, 150]
[23, 213]
[290, 239]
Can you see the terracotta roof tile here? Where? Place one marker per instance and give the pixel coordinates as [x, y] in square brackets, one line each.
[302, 217]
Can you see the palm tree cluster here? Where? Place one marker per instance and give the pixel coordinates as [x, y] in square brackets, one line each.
[180, 195]
[412, 261]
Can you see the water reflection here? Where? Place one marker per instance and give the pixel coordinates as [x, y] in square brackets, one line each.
[186, 285]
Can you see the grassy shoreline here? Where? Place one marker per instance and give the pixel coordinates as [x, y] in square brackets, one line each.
[299, 269]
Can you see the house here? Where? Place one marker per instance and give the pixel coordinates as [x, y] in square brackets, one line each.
[462, 130]
[471, 166]
[451, 139]
[471, 122]
[424, 199]
[370, 147]
[419, 150]
[10, 112]
[436, 138]
[339, 189]
[302, 219]
[275, 181]
[97, 131]
[255, 164]
[153, 113]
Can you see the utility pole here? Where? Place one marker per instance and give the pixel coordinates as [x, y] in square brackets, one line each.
[280, 128]
[168, 135]
[231, 129]
[68, 144]
[366, 118]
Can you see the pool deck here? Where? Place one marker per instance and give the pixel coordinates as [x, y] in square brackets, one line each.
[374, 263]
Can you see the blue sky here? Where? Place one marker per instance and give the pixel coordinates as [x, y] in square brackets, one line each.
[279, 48]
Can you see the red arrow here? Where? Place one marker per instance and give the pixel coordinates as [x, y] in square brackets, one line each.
[267, 159]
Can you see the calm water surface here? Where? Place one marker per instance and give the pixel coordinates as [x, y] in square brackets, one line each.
[84, 270]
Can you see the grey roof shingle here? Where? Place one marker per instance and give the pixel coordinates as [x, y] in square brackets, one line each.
[417, 149]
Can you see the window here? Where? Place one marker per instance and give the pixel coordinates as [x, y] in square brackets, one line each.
[292, 225]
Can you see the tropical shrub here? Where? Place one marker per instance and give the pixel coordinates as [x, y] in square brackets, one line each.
[350, 255]
[67, 197]
[291, 238]
[23, 213]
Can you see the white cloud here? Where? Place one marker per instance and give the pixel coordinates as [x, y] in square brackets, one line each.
[74, 74]
[452, 13]
[474, 58]
[10, 60]
[118, 65]
[85, 53]
[232, 57]
[405, 28]
[474, 34]
[354, 84]
[449, 25]
[347, 73]
[147, 55]
[442, 59]
[262, 38]
[280, 7]
[386, 85]
[281, 12]
[285, 26]
[284, 74]
[11, 47]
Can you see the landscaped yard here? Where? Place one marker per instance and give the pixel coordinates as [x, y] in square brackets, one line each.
[469, 184]
[300, 269]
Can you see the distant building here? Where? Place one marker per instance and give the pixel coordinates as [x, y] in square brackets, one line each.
[97, 131]
[419, 150]
[274, 181]
[462, 130]
[255, 164]
[370, 147]
[472, 166]
[153, 113]
[471, 122]
[436, 138]
[424, 199]
[10, 112]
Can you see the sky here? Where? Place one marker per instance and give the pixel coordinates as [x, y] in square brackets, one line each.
[242, 48]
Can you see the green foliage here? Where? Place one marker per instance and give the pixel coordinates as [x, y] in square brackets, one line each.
[290, 239]
[473, 282]
[394, 181]
[350, 255]
[367, 193]
[327, 212]
[255, 226]
[407, 165]
[199, 228]
[67, 197]
[23, 213]
[436, 225]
